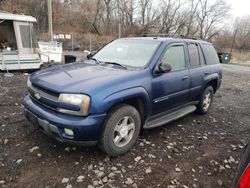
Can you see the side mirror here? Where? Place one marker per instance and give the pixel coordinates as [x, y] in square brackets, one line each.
[163, 68]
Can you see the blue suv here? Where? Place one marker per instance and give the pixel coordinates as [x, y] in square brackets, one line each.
[128, 85]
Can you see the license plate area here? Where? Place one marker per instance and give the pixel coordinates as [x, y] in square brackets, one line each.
[31, 117]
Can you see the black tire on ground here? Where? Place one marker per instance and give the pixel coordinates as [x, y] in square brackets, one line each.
[201, 108]
[115, 121]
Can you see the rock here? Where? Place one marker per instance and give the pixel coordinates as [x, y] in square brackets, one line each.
[6, 141]
[177, 169]
[105, 179]
[137, 159]
[227, 166]
[33, 149]
[90, 186]
[118, 172]
[113, 168]
[151, 156]
[231, 160]
[19, 161]
[148, 170]
[111, 175]
[67, 149]
[65, 180]
[2, 182]
[129, 181]
[221, 168]
[95, 183]
[39, 155]
[69, 186]
[134, 185]
[90, 167]
[101, 168]
[220, 182]
[80, 178]
[147, 142]
[100, 174]
[141, 144]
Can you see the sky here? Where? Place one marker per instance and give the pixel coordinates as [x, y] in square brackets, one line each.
[239, 7]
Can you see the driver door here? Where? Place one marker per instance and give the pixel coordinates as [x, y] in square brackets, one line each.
[170, 90]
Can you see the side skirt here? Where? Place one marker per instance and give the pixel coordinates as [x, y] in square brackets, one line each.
[166, 117]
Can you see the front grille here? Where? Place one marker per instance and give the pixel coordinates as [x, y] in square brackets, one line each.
[44, 97]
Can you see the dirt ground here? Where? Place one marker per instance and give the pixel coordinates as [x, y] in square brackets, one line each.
[195, 151]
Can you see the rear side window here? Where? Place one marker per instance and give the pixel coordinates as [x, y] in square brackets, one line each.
[194, 55]
[175, 57]
[210, 54]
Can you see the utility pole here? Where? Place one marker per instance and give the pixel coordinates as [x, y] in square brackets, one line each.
[119, 19]
[50, 20]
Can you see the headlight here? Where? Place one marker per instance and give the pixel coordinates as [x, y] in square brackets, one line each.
[29, 84]
[81, 101]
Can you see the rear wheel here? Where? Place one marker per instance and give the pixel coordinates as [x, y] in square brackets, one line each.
[121, 130]
[206, 100]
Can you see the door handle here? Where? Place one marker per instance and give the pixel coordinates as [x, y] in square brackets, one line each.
[185, 77]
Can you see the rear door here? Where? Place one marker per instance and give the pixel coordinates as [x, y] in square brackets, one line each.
[171, 89]
[198, 70]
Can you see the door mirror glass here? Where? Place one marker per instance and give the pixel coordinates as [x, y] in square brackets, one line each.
[163, 68]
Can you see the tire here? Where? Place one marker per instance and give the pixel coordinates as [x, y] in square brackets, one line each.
[206, 100]
[121, 130]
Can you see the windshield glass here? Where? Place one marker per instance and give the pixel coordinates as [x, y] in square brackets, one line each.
[128, 52]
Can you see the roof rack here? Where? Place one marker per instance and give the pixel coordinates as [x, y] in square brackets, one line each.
[169, 35]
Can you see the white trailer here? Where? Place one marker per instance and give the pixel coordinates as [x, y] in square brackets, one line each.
[18, 43]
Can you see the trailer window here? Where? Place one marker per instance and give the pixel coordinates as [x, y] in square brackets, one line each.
[28, 36]
[7, 36]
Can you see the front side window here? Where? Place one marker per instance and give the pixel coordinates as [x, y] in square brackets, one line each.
[175, 57]
[128, 52]
[194, 56]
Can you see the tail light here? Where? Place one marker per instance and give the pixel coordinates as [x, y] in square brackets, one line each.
[245, 178]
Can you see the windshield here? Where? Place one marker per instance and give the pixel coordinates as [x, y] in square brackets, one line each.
[128, 52]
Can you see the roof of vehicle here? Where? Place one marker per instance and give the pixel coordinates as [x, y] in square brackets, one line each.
[17, 17]
[170, 39]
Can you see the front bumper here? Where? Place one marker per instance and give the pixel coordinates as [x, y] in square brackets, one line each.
[87, 130]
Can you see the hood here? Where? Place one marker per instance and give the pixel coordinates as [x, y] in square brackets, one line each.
[75, 77]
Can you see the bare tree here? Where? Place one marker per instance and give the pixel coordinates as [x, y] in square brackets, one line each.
[209, 16]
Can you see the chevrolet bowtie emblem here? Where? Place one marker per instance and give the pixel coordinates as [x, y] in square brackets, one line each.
[38, 96]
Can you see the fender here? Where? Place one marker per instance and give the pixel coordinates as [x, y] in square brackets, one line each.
[213, 76]
[130, 93]
[207, 79]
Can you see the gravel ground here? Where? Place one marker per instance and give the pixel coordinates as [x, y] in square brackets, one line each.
[195, 151]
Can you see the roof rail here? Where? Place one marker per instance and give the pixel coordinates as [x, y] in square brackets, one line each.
[169, 35]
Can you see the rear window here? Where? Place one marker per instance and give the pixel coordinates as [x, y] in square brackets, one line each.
[210, 54]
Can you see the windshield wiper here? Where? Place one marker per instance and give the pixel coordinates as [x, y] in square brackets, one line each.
[114, 63]
[96, 60]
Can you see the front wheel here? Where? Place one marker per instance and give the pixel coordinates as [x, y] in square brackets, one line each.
[121, 130]
[206, 100]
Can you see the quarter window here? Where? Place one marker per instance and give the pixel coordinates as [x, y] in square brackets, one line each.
[210, 54]
[175, 57]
